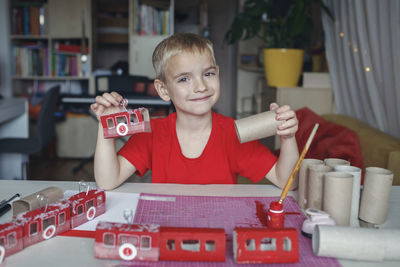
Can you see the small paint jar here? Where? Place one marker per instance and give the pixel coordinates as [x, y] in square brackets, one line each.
[276, 215]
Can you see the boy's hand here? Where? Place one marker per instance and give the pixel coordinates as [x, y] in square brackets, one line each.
[107, 103]
[289, 128]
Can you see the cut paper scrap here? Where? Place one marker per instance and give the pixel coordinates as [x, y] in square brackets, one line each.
[116, 203]
[222, 212]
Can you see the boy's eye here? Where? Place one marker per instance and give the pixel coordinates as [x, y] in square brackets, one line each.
[210, 73]
[183, 79]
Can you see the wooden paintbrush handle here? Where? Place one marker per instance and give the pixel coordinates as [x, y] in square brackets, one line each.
[297, 166]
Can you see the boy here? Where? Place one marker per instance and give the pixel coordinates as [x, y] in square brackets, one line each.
[193, 145]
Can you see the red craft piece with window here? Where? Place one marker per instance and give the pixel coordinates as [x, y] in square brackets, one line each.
[10, 239]
[44, 223]
[86, 206]
[192, 244]
[127, 241]
[264, 245]
[125, 123]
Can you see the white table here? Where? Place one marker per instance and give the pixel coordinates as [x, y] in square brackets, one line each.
[73, 251]
[14, 122]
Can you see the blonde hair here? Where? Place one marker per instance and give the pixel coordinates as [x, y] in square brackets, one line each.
[175, 44]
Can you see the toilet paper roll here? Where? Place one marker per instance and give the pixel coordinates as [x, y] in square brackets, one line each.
[257, 126]
[375, 196]
[367, 244]
[303, 177]
[332, 162]
[338, 189]
[355, 199]
[315, 185]
[31, 202]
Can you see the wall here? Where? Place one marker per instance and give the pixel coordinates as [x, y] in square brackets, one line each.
[221, 14]
[5, 70]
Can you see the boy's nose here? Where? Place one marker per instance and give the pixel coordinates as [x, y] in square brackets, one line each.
[200, 86]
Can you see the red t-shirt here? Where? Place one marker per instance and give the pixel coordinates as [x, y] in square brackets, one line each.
[222, 160]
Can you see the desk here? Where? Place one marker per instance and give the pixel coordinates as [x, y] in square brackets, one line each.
[137, 101]
[60, 249]
[14, 122]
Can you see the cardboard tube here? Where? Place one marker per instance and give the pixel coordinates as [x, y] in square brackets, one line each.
[332, 162]
[257, 126]
[355, 198]
[375, 196]
[367, 244]
[315, 185]
[303, 177]
[31, 202]
[338, 189]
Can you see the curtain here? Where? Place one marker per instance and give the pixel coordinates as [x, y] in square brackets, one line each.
[362, 48]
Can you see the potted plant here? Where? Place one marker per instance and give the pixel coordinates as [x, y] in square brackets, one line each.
[285, 28]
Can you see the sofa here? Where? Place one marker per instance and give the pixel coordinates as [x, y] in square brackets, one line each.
[378, 149]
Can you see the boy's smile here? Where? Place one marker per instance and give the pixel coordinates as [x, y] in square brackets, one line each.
[192, 82]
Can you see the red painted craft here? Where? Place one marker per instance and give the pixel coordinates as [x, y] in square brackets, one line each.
[264, 245]
[192, 244]
[127, 241]
[126, 123]
[86, 206]
[38, 225]
[11, 240]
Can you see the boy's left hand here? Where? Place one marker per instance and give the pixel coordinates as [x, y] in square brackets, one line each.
[288, 128]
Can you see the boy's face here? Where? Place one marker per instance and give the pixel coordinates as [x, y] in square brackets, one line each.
[191, 82]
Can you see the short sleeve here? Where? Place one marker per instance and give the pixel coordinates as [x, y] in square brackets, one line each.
[137, 151]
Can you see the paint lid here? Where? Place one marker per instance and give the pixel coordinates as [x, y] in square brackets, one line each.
[275, 205]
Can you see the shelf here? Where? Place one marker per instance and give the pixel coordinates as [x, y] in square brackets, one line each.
[58, 78]
[28, 37]
[252, 69]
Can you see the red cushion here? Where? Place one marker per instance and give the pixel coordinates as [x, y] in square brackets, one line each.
[331, 140]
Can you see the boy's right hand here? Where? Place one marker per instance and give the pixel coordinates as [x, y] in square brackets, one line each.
[107, 103]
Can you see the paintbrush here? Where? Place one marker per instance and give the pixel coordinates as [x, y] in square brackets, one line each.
[297, 166]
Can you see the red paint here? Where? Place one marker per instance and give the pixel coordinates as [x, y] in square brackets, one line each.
[261, 213]
[276, 216]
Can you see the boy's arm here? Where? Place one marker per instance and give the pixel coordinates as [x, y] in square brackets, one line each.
[110, 170]
[289, 154]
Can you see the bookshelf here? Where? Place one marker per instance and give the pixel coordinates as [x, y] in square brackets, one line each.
[150, 21]
[51, 42]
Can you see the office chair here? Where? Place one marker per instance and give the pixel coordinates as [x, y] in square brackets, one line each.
[45, 131]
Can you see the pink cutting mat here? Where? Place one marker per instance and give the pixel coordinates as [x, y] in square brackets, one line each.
[222, 212]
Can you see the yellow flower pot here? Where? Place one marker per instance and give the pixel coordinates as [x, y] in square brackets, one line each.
[283, 66]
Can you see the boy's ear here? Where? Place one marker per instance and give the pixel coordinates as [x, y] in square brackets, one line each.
[161, 89]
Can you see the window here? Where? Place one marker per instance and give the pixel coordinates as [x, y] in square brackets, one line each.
[134, 118]
[121, 119]
[109, 239]
[110, 123]
[2, 241]
[210, 245]
[171, 244]
[99, 200]
[287, 244]
[61, 218]
[12, 239]
[268, 244]
[89, 204]
[250, 244]
[79, 209]
[146, 242]
[190, 245]
[33, 228]
[131, 239]
[49, 221]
